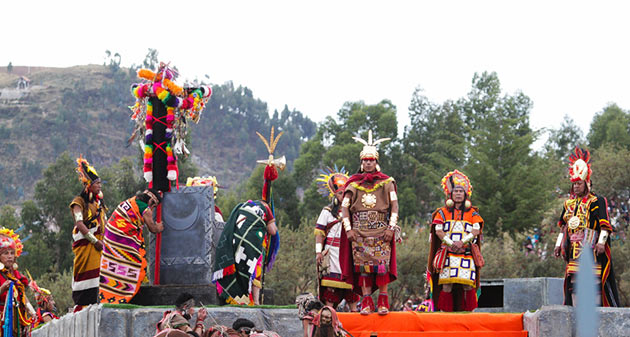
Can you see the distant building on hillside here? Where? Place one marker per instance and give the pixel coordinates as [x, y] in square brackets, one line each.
[23, 82]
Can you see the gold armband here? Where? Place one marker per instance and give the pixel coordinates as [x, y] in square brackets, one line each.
[448, 241]
[78, 216]
[559, 240]
[393, 220]
[393, 196]
[468, 237]
[346, 224]
[346, 202]
[603, 236]
[90, 237]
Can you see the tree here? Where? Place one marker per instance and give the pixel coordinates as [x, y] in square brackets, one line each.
[612, 125]
[151, 60]
[53, 193]
[333, 145]
[434, 144]
[563, 140]
[506, 175]
[611, 178]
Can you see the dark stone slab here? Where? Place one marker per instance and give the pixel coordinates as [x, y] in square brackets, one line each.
[188, 239]
[523, 294]
[167, 294]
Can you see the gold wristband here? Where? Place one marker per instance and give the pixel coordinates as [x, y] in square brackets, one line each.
[319, 247]
[346, 224]
[448, 241]
[393, 219]
[90, 237]
[346, 202]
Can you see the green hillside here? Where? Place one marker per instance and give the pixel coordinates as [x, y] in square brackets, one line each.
[83, 110]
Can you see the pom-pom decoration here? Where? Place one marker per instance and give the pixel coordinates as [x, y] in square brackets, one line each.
[181, 104]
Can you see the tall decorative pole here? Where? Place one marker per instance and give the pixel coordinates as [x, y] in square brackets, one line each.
[270, 174]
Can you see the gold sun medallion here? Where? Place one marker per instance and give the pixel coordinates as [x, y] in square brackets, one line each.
[368, 200]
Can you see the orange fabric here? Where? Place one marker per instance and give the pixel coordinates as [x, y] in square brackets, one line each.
[434, 324]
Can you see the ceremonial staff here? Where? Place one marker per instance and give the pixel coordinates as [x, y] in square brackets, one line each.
[270, 174]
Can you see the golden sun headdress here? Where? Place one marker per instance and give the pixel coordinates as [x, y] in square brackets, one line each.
[331, 180]
[580, 165]
[369, 147]
[87, 173]
[10, 240]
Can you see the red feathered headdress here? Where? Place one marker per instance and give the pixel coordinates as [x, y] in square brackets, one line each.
[580, 165]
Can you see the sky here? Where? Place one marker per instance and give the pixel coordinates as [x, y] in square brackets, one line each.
[570, 57]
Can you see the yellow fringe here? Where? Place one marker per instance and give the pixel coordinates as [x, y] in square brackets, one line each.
[373, 188]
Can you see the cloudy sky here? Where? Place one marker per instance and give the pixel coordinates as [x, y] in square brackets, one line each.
[571, 57]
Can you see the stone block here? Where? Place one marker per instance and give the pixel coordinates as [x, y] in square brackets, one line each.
[614, 322]
[523, 294]
[283, 321]
[167, 294]
[550, 321]
[80, 322]
[143, 321]
[114, 322]
[94, 315]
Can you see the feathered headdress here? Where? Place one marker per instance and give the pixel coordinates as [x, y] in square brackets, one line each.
[369, 147]
[10, 240]
[331, 180]
[41, 294]
[453, 179]
[87, 173]
[580, 165]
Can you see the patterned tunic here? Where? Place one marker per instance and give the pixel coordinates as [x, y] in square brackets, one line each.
[458, 267]
[369, 212]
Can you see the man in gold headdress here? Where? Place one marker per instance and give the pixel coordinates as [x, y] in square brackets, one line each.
[88, 211]
[584, 225]
[454, 256]
[369, 217]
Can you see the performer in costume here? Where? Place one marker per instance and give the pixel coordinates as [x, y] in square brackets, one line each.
[584, 223]
[327, 324]
[334, 256]
[177, 320]
[454, 256]
[123, 262]
[243, 252]
[17, 312]
[46, 306]
[88, 212]
[369, 217]
[250, 240]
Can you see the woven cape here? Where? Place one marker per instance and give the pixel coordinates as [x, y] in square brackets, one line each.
[123, 262]
[242, 252]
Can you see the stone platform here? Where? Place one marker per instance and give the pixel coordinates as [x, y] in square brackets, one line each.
[105, 321]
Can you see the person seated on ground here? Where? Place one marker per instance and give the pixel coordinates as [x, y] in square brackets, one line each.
[243, 326]
[308, 306]
[326, 324]
[178, 319]
[408, 306]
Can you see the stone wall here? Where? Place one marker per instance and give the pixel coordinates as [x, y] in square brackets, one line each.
[99, 321]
